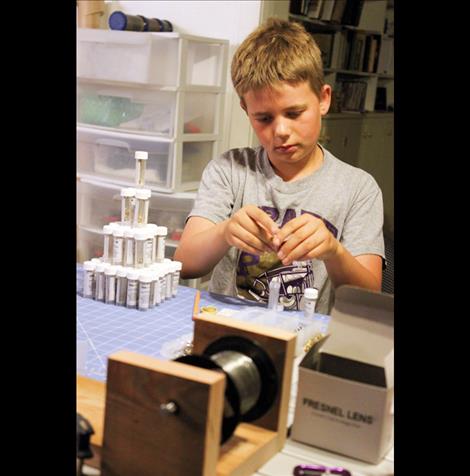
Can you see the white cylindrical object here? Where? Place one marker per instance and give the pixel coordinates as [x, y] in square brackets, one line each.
[310, 301]
[148, 248]
[127, 205]
[145, 281]
[110, 285]
[118, 246]
[153, 231]
[274, 286]
[121, 286]
[177, 266]
[154, 278]
[162, 231]
[141, 157]
[132, 289]
[88, 279]
[129, 247]
[107, 243]
[140, 236]
[99, 280]
[142, 201]
[168, 278]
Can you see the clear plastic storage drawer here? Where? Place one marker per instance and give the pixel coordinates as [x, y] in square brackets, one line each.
[136, 109]
[99, 204]
[151, 58]
[171, 166]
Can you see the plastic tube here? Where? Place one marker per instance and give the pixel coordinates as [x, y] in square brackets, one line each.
[274, 286]
[107, 243]
[141, 157]
[141, 212]
[127, 205]
[88, 279]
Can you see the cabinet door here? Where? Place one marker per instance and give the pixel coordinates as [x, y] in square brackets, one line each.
[376, 156]
[341, 136]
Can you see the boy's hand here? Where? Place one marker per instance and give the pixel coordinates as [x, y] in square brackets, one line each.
[250, 229]
[303, 238]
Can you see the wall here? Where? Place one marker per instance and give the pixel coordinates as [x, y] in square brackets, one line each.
[228, 19]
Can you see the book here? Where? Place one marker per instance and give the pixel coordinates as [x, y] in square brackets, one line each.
[339, 45]
[352, 12]
[325, 43]
[386, 61]
[338, 10]
[327, 10]
[314, 9]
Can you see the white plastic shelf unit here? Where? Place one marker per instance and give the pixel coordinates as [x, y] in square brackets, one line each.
[160, 92]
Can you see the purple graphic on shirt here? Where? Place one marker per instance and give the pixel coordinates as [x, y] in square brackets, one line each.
[254, 272]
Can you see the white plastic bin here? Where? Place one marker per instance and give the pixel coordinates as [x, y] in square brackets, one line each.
[100, 203]
[151, 58]
[148, 111]
[171, 166]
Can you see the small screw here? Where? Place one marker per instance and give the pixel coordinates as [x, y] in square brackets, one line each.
[169, 408]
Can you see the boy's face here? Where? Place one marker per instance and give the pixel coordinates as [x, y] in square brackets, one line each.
[287, 122]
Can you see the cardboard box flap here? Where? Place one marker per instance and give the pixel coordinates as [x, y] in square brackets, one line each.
[361, 328]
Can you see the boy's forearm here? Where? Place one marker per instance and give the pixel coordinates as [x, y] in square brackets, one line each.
[344, 268]
[201, 251]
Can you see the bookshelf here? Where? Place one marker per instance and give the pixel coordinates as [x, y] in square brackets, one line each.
[357, 50]
[356, 38]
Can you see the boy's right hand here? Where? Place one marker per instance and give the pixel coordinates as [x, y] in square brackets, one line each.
[250, 229]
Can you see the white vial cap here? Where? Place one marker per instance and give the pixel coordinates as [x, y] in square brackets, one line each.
[95, 260]
[311, 293]
[89, 265]
[118, 232]
[100, 267]
[133, 274]
[152, 228]
[127, 192]
[129, 232]
[121, 271]
[141, 155]
[143, 193]
[141, 234]
[111, 270]
[145, 278]
[177, 265]
[115, 224]
[107, 229]
[167, 260]
[162, 231]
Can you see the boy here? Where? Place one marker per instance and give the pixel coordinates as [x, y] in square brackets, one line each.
[259, 212]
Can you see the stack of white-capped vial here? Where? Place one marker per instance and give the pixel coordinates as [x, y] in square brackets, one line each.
[133, 270]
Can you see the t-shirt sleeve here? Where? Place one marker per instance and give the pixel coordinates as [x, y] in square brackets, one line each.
[363, 228]
[215, 197]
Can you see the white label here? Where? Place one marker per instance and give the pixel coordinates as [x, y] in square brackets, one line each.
[168, 287]
[110, 289]
[309, 306]
[106, 249]
[131, 292]
[148, 251]
[160, 249]
[144, 295]
[157, 292]
[129, 251]
[99, 287]
[176, 279]
[117, 251]
[163, 287]
[88, 277]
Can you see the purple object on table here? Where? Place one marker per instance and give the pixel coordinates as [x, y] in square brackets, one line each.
[318, 470]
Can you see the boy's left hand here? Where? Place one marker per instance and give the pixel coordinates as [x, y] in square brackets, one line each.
[303, 238]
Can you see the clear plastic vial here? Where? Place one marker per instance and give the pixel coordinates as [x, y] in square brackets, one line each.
[168, 278]
[110, 285]
[148, 247]
[132, 289]
[144, 291]
[88, 279]
[274, 287]
[129, 247]
[177, 265]
[153, 231]
[118, 246]
[107, 243]
[310, 301]
[127, 205]
[140, 236]
[141, 157]
[99, 281]
[121, 286]
[162, 231]
[142, 201]
[154, 277]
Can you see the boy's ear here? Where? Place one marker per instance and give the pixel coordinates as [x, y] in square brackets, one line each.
[325, 99]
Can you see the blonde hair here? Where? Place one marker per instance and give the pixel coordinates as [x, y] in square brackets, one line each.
[278, 50]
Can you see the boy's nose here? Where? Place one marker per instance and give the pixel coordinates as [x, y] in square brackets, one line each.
[281, 128]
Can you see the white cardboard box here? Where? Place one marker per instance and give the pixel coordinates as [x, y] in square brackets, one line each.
[345, 392]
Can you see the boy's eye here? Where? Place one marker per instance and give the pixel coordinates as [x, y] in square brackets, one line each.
[293, 114]
[263, 119]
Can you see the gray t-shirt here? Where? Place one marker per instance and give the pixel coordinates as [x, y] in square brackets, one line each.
[346, 198]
